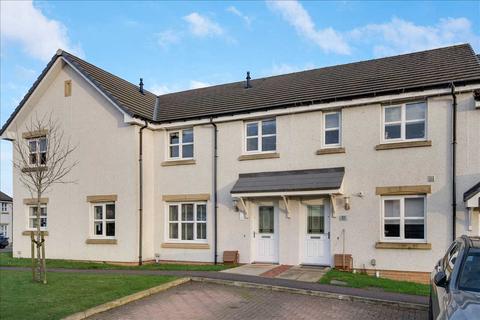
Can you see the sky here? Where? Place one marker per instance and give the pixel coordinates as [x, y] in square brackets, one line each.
[177, 46]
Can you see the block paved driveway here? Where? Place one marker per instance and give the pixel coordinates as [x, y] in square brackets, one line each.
[198, 300]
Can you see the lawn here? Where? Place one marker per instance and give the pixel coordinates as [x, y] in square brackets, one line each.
[65, 293]
[357, 280]
[6, 260]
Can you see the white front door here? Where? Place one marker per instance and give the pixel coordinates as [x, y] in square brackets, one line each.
[316, 248]
[266, 234]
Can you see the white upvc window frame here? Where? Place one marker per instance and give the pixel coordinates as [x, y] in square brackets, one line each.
[325, 129]
[403, 122]
[402, 219]
[37, 153]
[259, 136]
[4, 208]
[180, 144]
[179, 222]
[104, 220]
[31, 215]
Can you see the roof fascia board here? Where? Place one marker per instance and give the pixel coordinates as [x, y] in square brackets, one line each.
[287, 193]
[125, 114]
[315, 107]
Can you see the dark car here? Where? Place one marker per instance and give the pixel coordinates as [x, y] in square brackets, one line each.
[455, 282]
[3, 242]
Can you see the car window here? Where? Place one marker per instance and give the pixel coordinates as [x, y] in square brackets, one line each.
[451, 259]
[469, 278]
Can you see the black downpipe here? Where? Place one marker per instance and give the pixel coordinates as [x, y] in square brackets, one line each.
[454, 164]
[215, 155]
[140, 206]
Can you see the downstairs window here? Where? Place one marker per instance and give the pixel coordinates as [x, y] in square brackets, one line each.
[187, 222]
[404, 218]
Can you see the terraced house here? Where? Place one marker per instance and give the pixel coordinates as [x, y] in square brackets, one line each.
[378, 159]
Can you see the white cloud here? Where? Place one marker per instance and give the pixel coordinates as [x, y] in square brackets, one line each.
[400, 36]
[202, 26]
[284, 68]
[194, 84]
[168, 37]
[39, 36]
[327, 39]
[238, 13]
[160, 89]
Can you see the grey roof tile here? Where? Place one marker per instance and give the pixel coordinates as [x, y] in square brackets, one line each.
[294, 180]
[408, 72]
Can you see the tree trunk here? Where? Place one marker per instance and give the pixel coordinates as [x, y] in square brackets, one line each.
[39, 263]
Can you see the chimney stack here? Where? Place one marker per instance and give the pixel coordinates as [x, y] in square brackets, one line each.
[141, 86]
[247, 83]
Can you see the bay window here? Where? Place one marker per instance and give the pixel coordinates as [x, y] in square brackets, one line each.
[187, 222]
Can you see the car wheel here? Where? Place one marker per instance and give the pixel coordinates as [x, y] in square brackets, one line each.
[430, 308]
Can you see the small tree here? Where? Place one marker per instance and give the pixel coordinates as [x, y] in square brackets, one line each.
[42, 159]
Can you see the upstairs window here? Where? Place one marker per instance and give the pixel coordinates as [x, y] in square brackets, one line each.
[38, 151]
[261, 136]
[180, 144]
[4, 207]
[332, 132]
[405, 122]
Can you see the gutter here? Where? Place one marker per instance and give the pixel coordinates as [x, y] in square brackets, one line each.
[140, 205]
[454, 164]
[215, 206]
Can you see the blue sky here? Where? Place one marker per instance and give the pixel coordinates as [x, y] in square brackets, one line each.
[181, 45]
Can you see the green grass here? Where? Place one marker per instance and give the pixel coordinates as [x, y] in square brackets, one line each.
[65, 293]
[6, 260]
[357, 280]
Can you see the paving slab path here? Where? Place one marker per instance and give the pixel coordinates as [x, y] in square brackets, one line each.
[199, 300]
[356, 292]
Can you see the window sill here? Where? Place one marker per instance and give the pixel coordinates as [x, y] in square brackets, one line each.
[101, 241]
[178, 162]
[259, 156]
[34, 169]
[330, 150]
[403, 245]
[28, 232]
[406, 144]
[173, 245]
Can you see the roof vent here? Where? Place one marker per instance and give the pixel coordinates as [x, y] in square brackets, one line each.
[141, 86]
[247, 83]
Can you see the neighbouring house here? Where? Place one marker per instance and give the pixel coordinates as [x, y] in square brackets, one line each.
[378, 159]
[6, 215]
